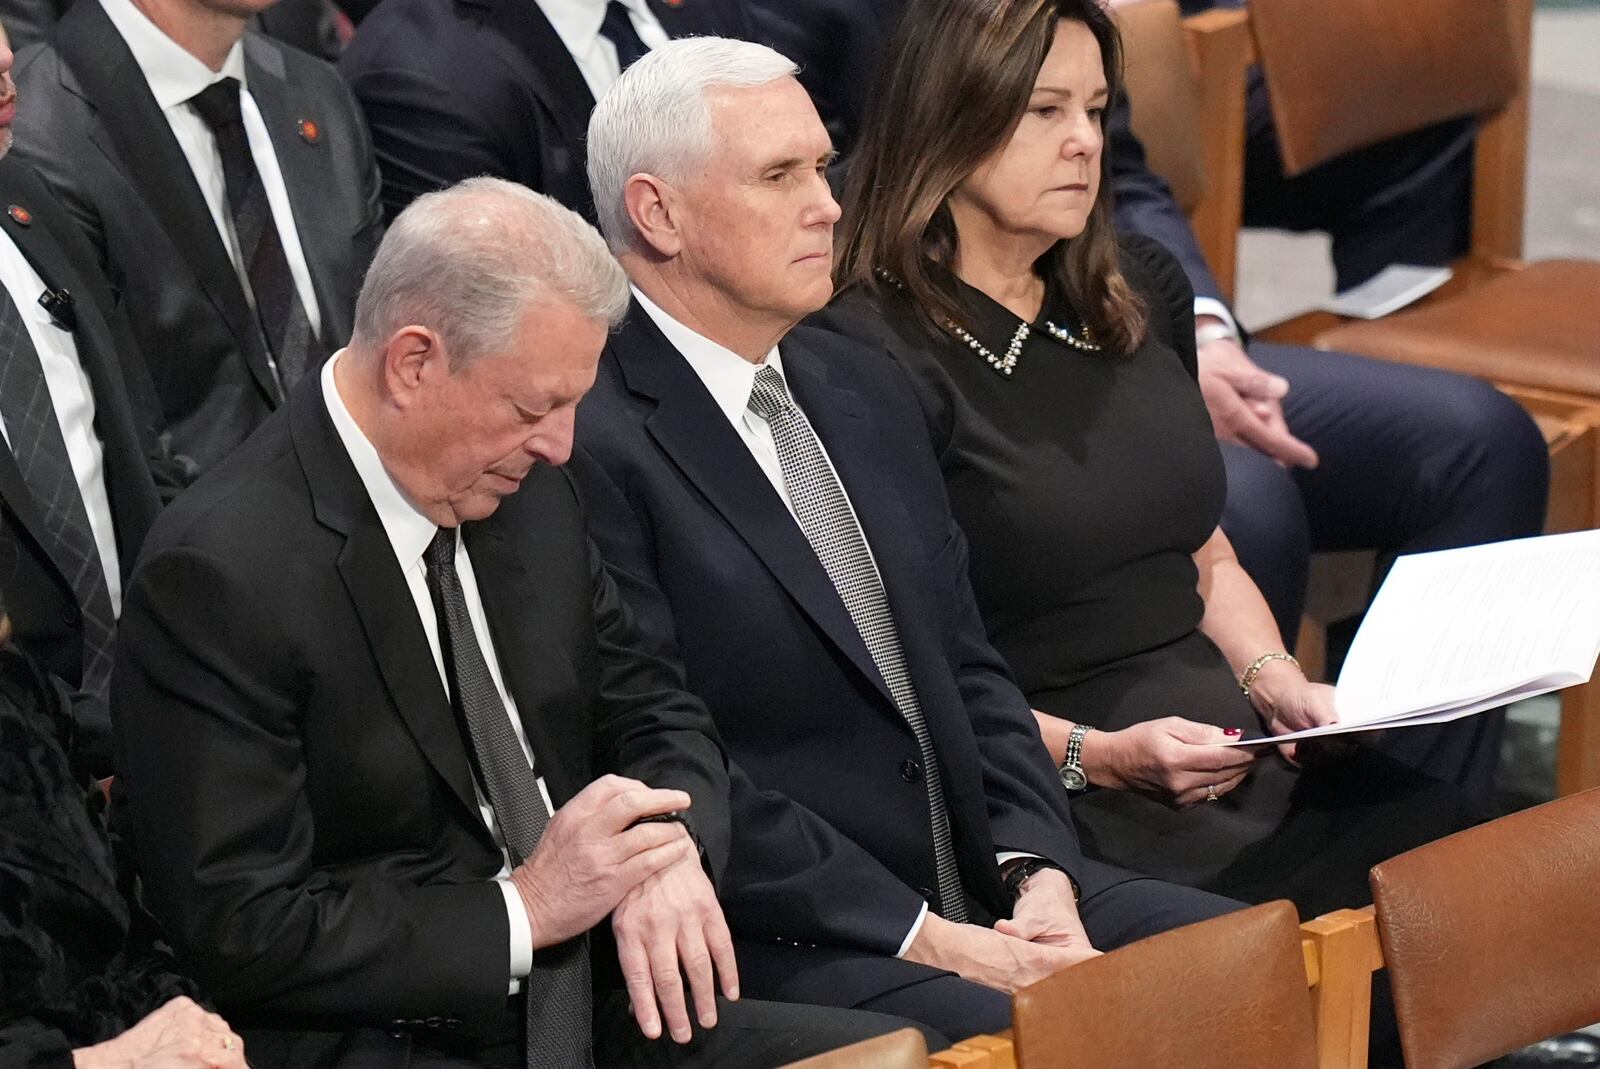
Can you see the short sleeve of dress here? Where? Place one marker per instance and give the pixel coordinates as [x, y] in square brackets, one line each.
[1157, 276]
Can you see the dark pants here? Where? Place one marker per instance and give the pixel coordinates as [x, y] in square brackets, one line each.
[943, 1002]
[1412, 459]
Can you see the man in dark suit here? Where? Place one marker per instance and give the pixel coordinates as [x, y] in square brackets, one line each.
[385, 735]
[454, 88]
[226, 183]
[769, 502]
[76, 476]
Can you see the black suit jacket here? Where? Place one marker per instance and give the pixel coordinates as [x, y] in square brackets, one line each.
[90, 124]
[456, 88]
[44, 609]
[300, 792]
[833, 844]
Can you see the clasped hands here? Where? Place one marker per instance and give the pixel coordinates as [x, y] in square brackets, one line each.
[595, 859]
[1043, 936]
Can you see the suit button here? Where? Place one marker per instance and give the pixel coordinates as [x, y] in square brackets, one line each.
[910, 771]
[70, 615]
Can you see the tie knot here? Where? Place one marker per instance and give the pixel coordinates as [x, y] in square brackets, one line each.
[440, 555]
[769, 397]
[218, 104]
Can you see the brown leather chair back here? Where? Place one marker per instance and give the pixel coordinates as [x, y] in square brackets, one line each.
[897, 1050]
[1166, 94]
[1347, 73]
[1492, 936]
[1228, 993]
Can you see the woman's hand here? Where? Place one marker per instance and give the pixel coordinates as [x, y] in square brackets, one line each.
[1173, 760]
[1287, 701]
[179, 1035]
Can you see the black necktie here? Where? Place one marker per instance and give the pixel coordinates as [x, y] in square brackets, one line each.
[284, 324]
[618, 29]
[829, 524]
[41, 455]
[559, 1027]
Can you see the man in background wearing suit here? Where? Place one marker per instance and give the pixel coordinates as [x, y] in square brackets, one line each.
[769, 502]
[226, 182]
[76, 482]
[454, 88]
[385, 737]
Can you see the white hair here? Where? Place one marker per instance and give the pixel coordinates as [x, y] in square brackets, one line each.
[467, 262]
[656, 118]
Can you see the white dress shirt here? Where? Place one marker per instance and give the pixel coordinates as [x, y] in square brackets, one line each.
[73, 399]
[409, 533]
[577, 23]
[174, 77]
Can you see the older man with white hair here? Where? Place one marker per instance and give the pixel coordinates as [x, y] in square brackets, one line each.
[389, 745]
[767, 499]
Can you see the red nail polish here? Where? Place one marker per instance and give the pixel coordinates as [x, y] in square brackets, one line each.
[1233, 731]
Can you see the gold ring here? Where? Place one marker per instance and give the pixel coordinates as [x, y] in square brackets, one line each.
[228, 1043]
[1211, 792]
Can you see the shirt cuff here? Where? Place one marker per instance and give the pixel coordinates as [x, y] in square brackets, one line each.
[911, 936]
[521, 934]
[1210, 306]
[1011, 855]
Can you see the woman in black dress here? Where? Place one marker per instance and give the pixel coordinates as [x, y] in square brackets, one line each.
[1056, 367]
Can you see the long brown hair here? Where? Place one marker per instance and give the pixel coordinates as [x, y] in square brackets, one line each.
[952, 88]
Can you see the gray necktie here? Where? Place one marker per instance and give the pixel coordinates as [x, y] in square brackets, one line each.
[830, 526]
[41, 455]
[560, 1032]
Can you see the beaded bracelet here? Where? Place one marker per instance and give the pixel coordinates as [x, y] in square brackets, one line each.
[1248, 679]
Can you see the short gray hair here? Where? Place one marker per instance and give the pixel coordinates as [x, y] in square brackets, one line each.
[467, 261]
[656, 118]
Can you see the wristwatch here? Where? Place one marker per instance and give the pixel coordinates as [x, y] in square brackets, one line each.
[1072, 777]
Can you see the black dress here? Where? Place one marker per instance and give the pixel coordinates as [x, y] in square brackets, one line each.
[77, 965]
[1085, 482]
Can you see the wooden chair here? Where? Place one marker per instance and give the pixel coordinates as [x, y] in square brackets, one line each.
[1228, 993]
[1352, 73]
[1187, 78]
[897, 1050]
[1492, 936]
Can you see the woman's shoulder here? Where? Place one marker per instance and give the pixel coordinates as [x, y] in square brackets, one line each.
[1150, 268]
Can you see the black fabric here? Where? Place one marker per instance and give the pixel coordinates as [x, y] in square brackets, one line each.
[618, 28]
[78, 965]
[1086, 483]
[284, 326]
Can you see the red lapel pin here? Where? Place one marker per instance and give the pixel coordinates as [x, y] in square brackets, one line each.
[22, 215]
[310, 131]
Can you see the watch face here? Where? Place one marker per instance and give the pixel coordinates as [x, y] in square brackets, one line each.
[1073, 779]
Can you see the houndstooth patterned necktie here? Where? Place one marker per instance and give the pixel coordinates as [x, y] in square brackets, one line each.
[830, 526]
[41, 455]
[560, 1031]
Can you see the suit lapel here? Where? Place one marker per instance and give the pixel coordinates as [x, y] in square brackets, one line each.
[131, 493]
[532, 45]
[292, 114]
[133, 131]
[379, 593]
[696, 436]
[513, 603]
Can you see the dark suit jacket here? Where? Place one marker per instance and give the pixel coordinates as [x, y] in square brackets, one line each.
[300, 792]
[44, 609]
[456, 88]
[839, 853]
[90, 124]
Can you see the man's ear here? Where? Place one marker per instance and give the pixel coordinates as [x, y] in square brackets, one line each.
[656, 210]
[412, 357]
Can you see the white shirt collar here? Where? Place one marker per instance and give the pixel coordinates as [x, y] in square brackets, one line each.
[728, 376]
[409, 530]
[173, 74]
[577, 22]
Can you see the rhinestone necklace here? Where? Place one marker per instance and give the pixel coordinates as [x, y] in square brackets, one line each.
[1007, 362]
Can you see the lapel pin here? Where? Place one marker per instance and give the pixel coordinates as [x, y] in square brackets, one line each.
[310, 131]
[22, 215]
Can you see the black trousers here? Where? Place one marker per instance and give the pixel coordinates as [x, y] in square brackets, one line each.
[1412, 459]
[944, 1003]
